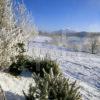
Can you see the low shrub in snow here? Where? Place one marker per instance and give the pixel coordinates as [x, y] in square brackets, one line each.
[53, 87]
[37, 66]
[15, 69]
[18, 61]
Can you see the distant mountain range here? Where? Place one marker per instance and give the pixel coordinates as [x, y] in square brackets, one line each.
[64, 31]
[69, 32]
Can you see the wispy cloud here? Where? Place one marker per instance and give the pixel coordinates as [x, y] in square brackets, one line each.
[95, 27]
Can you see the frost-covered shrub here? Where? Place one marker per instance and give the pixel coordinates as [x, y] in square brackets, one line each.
[15, 69]
[53, 88]
[16, 25]
[37, 66]
[18, 61]
[21, 62]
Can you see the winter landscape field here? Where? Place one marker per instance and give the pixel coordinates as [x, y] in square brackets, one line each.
[79, 66]
[49, 50]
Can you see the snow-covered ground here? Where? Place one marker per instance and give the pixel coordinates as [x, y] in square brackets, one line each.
[41, 39]
[83, 67]
[14, 86]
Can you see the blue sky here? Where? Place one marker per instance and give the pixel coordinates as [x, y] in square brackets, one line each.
[79, 15]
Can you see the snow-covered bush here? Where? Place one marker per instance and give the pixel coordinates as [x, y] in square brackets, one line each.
[18, 61]
[53, 88]
[16, 25]
[37, 66]
[21, 62]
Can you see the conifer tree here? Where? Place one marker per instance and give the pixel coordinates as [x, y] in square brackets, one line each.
[53, 88]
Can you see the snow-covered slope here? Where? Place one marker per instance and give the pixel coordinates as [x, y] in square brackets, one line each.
[83, 67]
[42, 39]
[14, 86]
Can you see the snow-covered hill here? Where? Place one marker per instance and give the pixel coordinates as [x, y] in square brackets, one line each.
[83, 67]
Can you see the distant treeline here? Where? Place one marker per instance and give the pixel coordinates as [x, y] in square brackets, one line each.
[78, 34]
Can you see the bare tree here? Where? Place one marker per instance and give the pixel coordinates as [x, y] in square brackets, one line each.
[93, 42]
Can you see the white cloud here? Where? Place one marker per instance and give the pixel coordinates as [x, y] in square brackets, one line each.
[94, 27]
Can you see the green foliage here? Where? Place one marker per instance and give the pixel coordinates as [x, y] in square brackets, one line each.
[38, 65]
[18, 62]
[53, 88]
[21, 62]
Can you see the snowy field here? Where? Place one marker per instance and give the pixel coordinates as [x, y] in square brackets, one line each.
[83, 67]
[14, 86]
